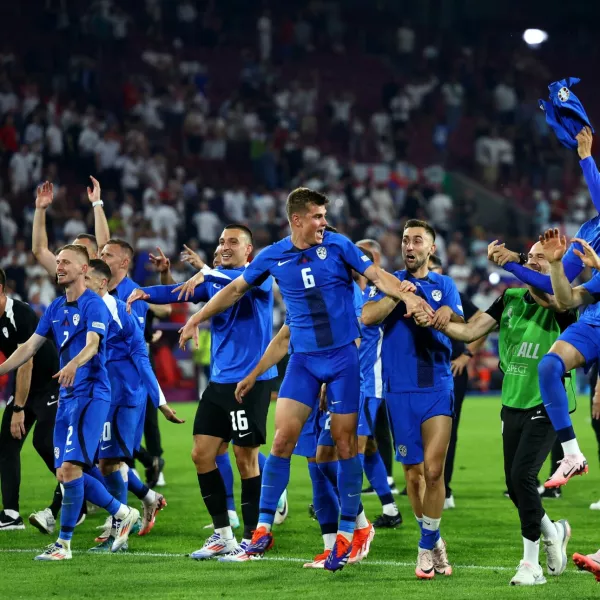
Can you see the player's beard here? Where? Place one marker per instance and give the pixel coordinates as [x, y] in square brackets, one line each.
[415, 266]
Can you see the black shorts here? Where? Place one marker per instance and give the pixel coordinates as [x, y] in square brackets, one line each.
[220, 415]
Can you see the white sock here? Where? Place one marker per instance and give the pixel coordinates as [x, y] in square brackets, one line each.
[439, 543]
[122, 512]
[124, 472]
[571, 447]
[419, 520]
[225, 532]
[361, 520]
[391, 510]
[328, 540]
[232, 514]
[66, 544]
[548, 528]
[390, 481]
[149, 498]
[431, 524]
[267, 526]
[531, 552]
[13, 514]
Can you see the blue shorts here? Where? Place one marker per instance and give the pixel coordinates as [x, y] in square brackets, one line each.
[316, 432]
[368, 415]
[338, 368]
[78, 429]
[585, 338]
[407, 412]
[120, 432]
[325, 438]
[139, 431]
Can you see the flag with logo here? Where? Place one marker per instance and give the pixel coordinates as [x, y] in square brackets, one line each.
[564, 112]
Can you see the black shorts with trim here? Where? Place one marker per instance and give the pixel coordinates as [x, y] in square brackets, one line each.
[220, 415]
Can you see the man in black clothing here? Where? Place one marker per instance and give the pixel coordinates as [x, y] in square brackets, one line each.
[33, 398]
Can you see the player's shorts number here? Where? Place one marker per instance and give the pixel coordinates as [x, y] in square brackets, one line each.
[106, 433]
[69, 435]
[328, 422]
[308, 278]
[239, 422]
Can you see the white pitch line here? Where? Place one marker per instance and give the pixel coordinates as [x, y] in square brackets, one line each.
[377, 563]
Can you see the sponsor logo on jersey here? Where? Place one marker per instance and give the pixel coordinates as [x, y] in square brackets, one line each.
[519, 369]
[322, 252]
[436, 295]
[76, 320]
[99, 325]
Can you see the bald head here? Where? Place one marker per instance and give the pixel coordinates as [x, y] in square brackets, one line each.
[373, 246]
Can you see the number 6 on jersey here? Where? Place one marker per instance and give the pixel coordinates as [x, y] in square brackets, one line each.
[308, 278]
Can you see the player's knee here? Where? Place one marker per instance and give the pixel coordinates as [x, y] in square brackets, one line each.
[70, 472]
[247, 463]
[414, 477]
[551, 367]
[283, 443]
[434, 475]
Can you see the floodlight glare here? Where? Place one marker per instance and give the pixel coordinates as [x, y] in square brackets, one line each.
[534, 37]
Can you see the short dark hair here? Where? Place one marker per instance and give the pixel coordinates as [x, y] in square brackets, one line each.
[367, 253]
[99, 265]
[243, 228]
[418, 223]
[89, 236]
[299, 199]
[2, 278]
[78, 249]
[331, 229]
[123, 244]
[436, 260]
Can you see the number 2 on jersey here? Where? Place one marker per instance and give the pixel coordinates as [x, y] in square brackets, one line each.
[308, 278]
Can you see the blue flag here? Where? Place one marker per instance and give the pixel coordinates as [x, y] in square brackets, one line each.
[565, 113]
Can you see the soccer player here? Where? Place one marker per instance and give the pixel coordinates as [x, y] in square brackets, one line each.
[132, 379]
[238, 339]
[530, 322]
[461, 354]
[418, 388]
[33, 401]
[561, 358]
[313, 269]
[79, 322]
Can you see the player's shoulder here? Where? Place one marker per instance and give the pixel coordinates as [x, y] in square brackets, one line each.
[334, 239]
[400, 274]
[91, 301]
[56, 304]
[592, 225]
[443, 280]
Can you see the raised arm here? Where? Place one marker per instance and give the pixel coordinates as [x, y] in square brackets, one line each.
[39, 242]
[101, 229]
[22, 354]
[163, 266]
[588, 166]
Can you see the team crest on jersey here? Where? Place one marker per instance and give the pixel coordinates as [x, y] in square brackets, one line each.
[402, 450]
[436, 295]
[563, 94]
[75, 320]
[373, 292]
[5, 332]
[322, 252]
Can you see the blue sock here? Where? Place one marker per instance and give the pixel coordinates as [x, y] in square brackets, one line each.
[430, 533]
[116, 486]
[135, 485]
[96, 473]
[97, 494]
[349, 486]
[275, 479]
[71, 507]
[325, 500]
[551, 370]
[224, 466]
[262, 459]
[377, 476]
[330, 470]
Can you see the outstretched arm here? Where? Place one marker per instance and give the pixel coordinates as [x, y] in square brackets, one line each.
[39, 242]
[22, 354]
[100, 222]
[473, 330]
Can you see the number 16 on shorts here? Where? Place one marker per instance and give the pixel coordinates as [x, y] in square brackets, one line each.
[239, 422]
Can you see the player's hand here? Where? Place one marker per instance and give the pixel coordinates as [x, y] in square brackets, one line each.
[193, 258]
[169, 414]
[441, 318]
[323, 397]
[66, 376]
[595, 407]
[243, 387]
[407, 287]
[161, 263]
[500, 255]
[588, 256]
[44, 195]
[135, 296]
[17, 425]
[189, 332]
[584, 143]
[421, 318]
[458, 365]
[414, 305]
[554, 245]
[156, 336]
[187, 289]
[94, 193]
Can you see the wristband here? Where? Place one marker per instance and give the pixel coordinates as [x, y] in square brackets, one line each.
[468, 353]
[523, 258]
[18, 409]
[97, 203]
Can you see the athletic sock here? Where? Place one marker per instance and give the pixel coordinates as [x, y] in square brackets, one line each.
[250, 504]
[13, 514]
[275, 478]
[551, 370]
[262, 459]
[330, 470]
[116, 486]
[96, 473]
[97, 494]
[56, 501]
[71, 507]
[224, 466]
[135, 485]
[361, 519]
[430, 533]
[349, 486]
[391, 510]
[531, 551]
[213, 493]
[377, 476]
[548, 528]
[326, 504]
[571, 446]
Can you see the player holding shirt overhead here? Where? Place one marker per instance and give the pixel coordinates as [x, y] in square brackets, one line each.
[419, 389]
[313, 270]
[79, 323]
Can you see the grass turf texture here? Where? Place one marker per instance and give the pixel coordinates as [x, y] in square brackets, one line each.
[484, 541]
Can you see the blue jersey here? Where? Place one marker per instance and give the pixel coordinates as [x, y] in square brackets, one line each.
[240, 335]
[591, 314]
[127, 360]
[418, 358]
[140, 308]
[69, 323]
[317, 288]
[369, 354]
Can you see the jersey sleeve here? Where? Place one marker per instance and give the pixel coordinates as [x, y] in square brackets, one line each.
[258, 271]
[372, 294]
[163, 294]
[26, 321]
[352, 255]
[97, 317]
[593, 287]
[592, 178]
[44, 326]
[496, 309]
[452, 297]
[572, 265]
[358, 300]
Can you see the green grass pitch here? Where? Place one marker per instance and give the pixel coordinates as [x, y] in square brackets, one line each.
[483, 536]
